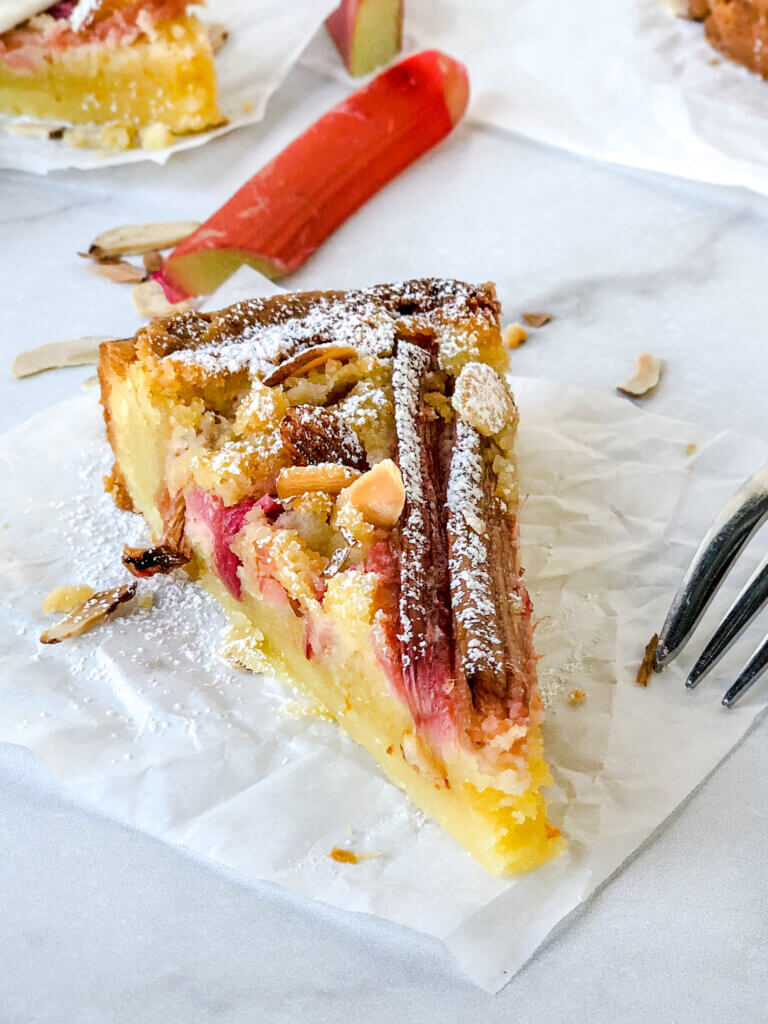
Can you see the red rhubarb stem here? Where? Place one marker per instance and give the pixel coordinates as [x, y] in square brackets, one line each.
[278, 218]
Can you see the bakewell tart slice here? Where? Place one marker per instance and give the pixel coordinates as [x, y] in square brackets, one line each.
[130, 64]
[338, 470]
[737, 28]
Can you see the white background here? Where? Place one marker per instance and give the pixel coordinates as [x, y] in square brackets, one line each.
[104, 924]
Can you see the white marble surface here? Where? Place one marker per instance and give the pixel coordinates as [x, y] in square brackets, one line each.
[100, 923]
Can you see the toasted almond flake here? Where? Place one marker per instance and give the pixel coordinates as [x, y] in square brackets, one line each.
[514, 335]
[418, 756]
[379, 494]
[336, 564]
[309, 359]
[152, 261]
[576, 697]
[150, 301]
[64, 599]
[690, 449]
[537, 319]
[327, 476]
[76, 352]
[482, 399]
[646, 665]
[218, 34]
[135, 239]
[645, 378]
[88, 614]
[33, 130]
[117, 270]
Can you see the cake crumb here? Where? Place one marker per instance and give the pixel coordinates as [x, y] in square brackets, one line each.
[577, 696]
[690, 449]
[146, 601]
[349, 856]
[64, 599]
[646, 666]
[514, 335]
[156, 136]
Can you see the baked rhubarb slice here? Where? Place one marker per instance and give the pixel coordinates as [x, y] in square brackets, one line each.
[278, 218]
[342, 468]
[367, 33]
[140, 68]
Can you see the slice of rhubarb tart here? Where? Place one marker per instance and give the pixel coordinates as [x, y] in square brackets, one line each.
[338, 470]
[140, 68]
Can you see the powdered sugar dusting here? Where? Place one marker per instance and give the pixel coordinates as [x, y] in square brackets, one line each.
[82, 11]
[471, 583]
[257, 335]
[259, 348]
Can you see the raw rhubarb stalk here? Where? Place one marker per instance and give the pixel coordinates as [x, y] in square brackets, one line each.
[278, 219]
[367, 33]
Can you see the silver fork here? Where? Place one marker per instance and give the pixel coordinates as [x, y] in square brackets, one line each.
[744, 514]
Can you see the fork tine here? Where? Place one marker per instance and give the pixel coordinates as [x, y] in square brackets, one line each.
[728, 535]
[754, 668]
[743, 610]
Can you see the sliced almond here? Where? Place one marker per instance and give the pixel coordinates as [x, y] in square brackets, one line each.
[135, 239]
[328, 476]
[307, 360]
[218, 34]
[152, 261]
[645, 379]
[118, 270]
[77, 352]
[150, 301]
[379, 494]
[482, 399]
[536, 319]
[32, 130]
[336, 564]
[88, 614]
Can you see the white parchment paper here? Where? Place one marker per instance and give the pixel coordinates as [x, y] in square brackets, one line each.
[626, 82]
[142, 718]
[266, 38]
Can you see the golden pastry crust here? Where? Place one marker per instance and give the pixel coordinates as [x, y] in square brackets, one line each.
[737, 28]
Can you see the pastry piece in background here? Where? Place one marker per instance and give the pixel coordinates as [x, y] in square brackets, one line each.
[737, 28]
[142, 69]
[367, 33]
[338, 470]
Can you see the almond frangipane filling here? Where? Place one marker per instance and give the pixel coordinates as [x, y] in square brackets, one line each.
[345, 464]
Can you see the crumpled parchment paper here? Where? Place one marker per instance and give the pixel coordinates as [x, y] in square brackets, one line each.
[266, 38]
[141, 717]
